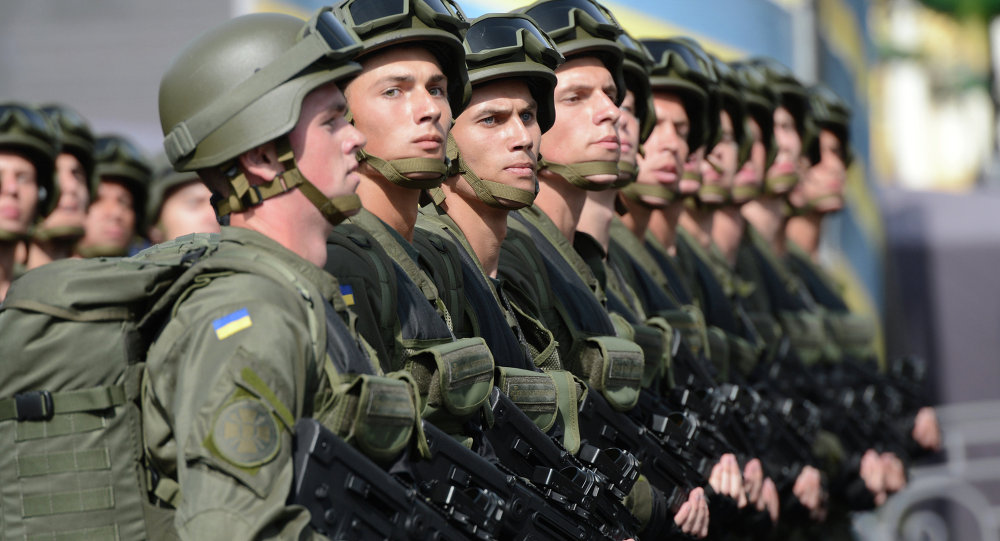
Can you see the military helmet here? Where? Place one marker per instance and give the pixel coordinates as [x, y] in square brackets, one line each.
[790, 92]
[583, 28]
[827, 111]
[165, 179]
[509, 45]
[760, 102]
[438, 25]
[118, 158]
[27, 131]
[732, 102]
[75, 136]
[241, 84]
[679, 66]
[637, 66]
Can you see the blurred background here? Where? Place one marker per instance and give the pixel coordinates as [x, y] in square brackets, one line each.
[918, 245]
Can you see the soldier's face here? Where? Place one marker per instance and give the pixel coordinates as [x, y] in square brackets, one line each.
[111, 217]
[18, 192]
[499, 136]
[822, 185]
[186, 209]
[628, 129]
[720, 165]
[400, 102]
[71, 210]
[586, 117]
[324, 142]
[666, 148]
[789, 145]
[752, 172]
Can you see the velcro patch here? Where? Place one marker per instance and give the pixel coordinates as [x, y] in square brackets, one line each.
[231, 324]
[246, 434]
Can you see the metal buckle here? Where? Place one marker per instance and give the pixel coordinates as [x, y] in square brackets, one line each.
[34, 406]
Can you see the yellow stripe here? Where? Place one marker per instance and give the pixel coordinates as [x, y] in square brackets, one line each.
[348, 299]
[233, 327]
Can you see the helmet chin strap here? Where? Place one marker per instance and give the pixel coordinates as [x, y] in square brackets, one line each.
[67, 233]
[488, 191]
[10, 236]
[635, 192]
[781, 184]
[243, 195]
[397, 171]
[743, 193]
[627, 171]
[577, 173]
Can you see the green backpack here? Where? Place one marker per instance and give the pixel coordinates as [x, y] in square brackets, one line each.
[73, 341]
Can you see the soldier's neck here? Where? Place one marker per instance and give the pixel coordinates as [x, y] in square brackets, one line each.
[698, 222]
[595, 219]
[395, 205]
[484, 227]
[805, 231]
[7, 251]
[637, 217]
[727, 230]
[560, 201]
[767, 215]
[42, 252]
[663, 224]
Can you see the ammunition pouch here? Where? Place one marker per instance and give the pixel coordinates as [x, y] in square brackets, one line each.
[612, 366]
[853, 333]
[533, 392]
[378, 414]
[689, 320]
[805, 334]
[454, 377]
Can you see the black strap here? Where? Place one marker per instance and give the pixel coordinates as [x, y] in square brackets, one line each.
[817, 286]
[418, 319]
[344, 350]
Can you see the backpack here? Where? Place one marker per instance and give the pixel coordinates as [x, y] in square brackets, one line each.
[73, 340]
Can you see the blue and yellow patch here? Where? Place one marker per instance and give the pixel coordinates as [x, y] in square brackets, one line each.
[231, 324]
[347, 293]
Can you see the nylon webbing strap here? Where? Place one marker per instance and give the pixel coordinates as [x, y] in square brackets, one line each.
[103, 533]
[746, 192]
[577, 173]
[62, 462]
[627, 171]
[66, 232]
[713, 194]
[396, 171]
[34, 406]
[486, 190]
[74, 501]
[635, 191]
[780, 184]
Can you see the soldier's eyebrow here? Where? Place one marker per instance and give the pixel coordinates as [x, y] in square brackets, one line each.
[395, 79]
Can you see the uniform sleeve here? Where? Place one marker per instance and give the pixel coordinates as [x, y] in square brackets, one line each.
[224, 385]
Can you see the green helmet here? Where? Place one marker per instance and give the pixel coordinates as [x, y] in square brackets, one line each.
[436, 25]
[505, 46]
[678, 68]
[760, 102]
[733, 102]
[27, 131]
[75, 137]
[118, 158]
[165, 178]
[790, 92]
[241, 85]
[637, 67]
[827, 111]
[582, 28]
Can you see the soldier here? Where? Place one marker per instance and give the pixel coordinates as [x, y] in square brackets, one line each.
[118, 205]
[246, 354]
[178, 204]
[27, 190]
[56, 236]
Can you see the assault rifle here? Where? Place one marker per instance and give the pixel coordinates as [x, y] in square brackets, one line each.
[351, 497]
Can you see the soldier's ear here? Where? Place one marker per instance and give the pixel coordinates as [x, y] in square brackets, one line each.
[261, 163]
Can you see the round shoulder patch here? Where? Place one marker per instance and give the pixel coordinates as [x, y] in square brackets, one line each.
[246, 434]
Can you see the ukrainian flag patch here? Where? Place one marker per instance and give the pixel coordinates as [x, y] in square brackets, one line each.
[347, 292]
[227, 326]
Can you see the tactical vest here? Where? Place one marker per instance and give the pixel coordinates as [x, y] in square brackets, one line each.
[597, 353]
[454, 376]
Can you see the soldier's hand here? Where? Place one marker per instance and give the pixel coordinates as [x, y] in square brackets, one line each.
[726, 479]
[926, 431]
[895, 473]
[873, 474]
[753, 482]
[769, 499]
[808, 489]
[692, 517]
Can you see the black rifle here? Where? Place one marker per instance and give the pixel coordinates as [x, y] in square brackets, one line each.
[592, 487]
[350, 497]
[526, 514]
